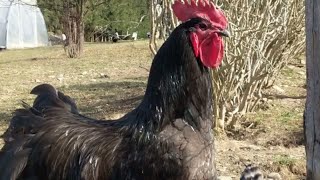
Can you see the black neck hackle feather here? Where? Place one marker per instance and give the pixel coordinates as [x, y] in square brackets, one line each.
[176, 78]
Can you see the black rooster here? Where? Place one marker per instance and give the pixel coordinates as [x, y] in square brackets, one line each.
[168, 136]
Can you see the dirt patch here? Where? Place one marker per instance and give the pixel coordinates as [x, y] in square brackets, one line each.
[271, 137]
[232, 156]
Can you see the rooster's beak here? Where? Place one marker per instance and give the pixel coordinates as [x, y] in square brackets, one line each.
[225, 33]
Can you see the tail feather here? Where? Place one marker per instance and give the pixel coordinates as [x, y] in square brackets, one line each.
[23, 122]
[33, 110]
[13, 159]
[27, 120]
[69, 102]
[16, 165]
[48, 96]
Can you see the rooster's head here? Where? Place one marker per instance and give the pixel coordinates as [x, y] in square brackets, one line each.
[206, 24]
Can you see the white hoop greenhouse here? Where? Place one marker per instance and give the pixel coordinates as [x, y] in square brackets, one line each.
[21, 25]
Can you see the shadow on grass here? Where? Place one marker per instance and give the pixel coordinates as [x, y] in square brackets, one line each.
[278, 96]
[103, 100]
[4, 121]
[290, 139]
[5, 117]
[29, 59]
[261, 134]
[41, 59]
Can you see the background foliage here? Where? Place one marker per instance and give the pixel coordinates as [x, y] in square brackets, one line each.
[122, 15]
[266, 36]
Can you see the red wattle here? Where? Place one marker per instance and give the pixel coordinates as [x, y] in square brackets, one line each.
[211, 51]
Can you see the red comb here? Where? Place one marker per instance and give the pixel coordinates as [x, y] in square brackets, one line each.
[205, 9]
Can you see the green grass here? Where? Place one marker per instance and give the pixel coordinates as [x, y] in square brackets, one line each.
[288, 72]
[284, 160]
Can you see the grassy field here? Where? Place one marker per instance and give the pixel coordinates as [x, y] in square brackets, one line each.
[110, 79]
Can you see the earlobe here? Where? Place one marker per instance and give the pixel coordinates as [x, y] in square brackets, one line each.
[195, 43]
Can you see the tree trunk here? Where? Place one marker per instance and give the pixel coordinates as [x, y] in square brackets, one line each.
[80, 26]
[162, 21]
[312, 110]
[152, 41]
[81, 37]
[74, 28]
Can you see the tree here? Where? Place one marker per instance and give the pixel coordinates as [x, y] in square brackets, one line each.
[81, 18]
[71, 20]
[73, 26]
[52, 12]
[73, 23]
[123, 15]
[312, 109]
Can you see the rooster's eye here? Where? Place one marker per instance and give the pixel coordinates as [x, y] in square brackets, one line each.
[203, 26]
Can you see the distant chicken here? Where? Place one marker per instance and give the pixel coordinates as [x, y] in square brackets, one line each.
[168, 136]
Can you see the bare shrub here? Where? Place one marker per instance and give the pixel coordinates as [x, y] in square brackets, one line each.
[162, 22]
[266, 35]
